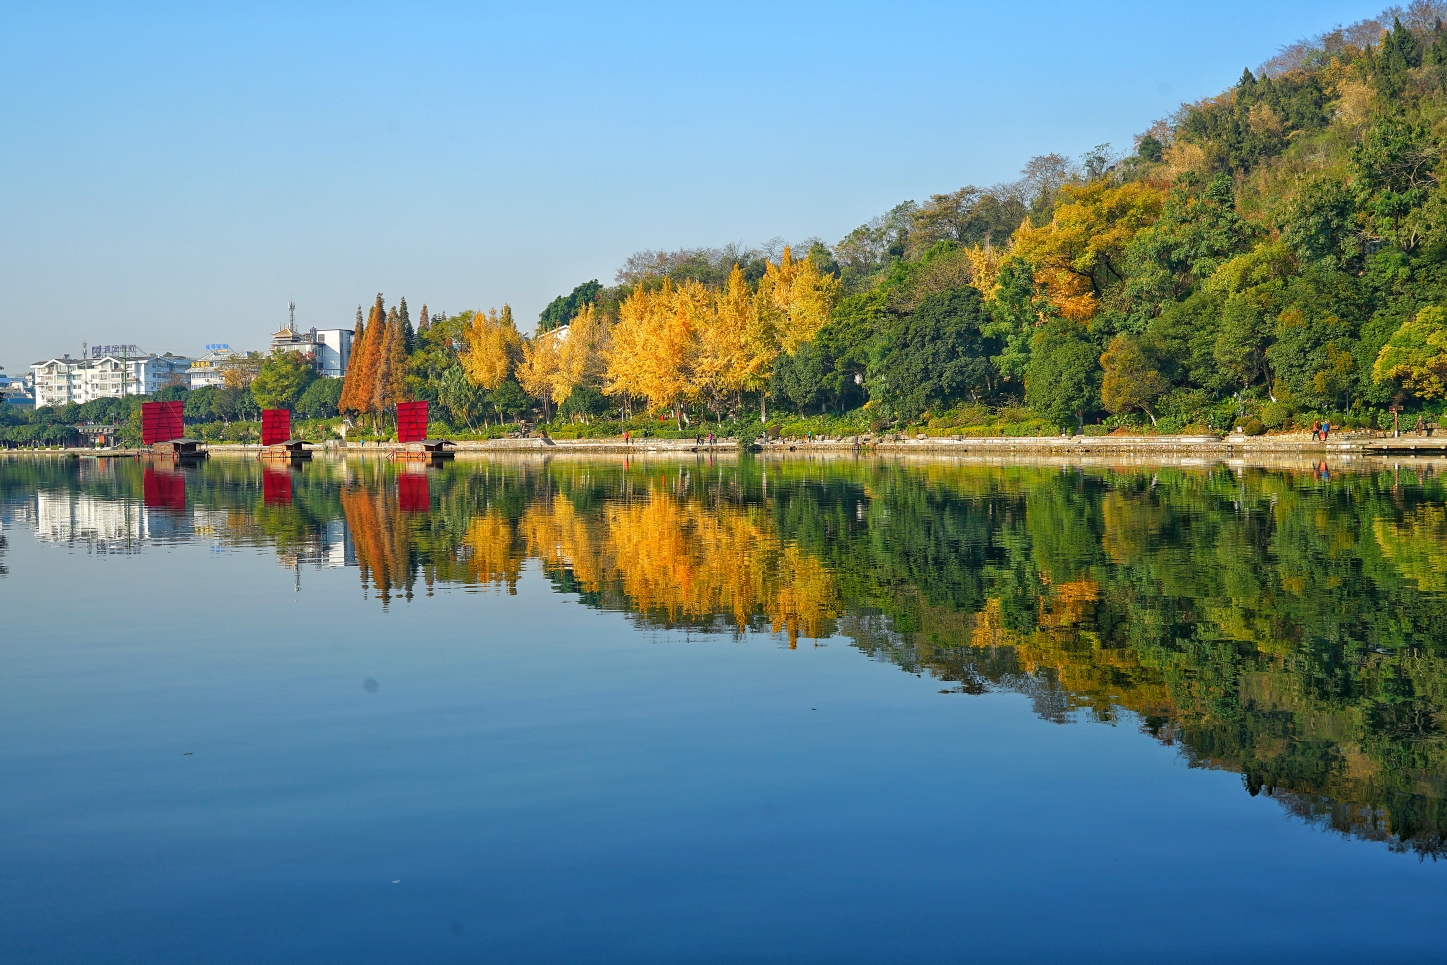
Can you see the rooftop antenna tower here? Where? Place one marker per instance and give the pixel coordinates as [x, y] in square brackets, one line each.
[291, 308]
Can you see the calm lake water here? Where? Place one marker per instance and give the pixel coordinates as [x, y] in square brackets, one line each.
[721, 711]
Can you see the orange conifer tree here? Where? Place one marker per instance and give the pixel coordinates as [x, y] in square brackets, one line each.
[382, 381]
[348, 401]
[365, 360]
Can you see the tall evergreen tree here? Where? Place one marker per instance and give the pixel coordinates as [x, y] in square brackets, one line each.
[422, 323]
[398, 350]
[409, 336]
[370, 357]
[382, 380]
[351, 400]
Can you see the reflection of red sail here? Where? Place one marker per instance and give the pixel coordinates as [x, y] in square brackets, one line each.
[411, 421]
[276, 487]
[412, 493]
[164, 490]
[275, 426]
[162, 422]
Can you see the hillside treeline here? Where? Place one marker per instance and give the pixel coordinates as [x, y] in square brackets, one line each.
[1272, 252]
[1265, 257]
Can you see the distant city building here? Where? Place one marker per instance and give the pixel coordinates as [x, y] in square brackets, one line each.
[152, 373]
[209, 369]
[15, 393]
[65, 380]
[330, 349]
[334, 351]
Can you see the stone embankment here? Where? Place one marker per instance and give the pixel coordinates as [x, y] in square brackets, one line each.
[1207, 446]
[1202, 445]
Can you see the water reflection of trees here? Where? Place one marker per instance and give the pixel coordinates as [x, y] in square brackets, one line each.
[1281, 626]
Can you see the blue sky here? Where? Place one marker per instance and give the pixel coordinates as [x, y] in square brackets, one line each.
[173, 175]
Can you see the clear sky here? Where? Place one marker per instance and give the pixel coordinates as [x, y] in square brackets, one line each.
[172, 175]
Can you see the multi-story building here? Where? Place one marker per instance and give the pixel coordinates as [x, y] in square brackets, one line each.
[330, 349]
[150, 374]
[334, 351]
[65, 380]
[15, 394]
[210, 368]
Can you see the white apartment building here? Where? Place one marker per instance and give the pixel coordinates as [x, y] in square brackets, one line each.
[65, 380]
[330, 349]
[333, 351]
[152, 373]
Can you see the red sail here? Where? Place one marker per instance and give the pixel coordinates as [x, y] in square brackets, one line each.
[412, 492]
[275, 426]
[411, 421]
[162, 422]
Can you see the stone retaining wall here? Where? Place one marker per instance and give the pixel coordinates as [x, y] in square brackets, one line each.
[1021, 446]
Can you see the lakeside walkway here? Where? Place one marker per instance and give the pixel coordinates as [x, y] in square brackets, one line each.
[1205, 446]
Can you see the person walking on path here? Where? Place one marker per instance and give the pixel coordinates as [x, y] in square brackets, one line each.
[1315, 431]
[1325, 430]
[1421, 425]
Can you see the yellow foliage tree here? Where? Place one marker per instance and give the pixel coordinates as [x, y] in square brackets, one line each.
[654, 345]
[493, 348]
[581, 351]
[537, 373]
[985, 262]
[1081, 251]
[801, 296]
[723, 358]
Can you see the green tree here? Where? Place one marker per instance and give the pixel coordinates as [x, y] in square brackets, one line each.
[1128, 379]
[320, 400]
[560, 310]
[509, 399]
[935, 355]
[463, 401]
[283, 377]
[1062, 381]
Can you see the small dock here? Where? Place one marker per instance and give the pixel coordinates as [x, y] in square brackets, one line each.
[1407, 445]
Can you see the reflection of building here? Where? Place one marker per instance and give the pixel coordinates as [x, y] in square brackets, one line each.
[336, 545]
[105, 525]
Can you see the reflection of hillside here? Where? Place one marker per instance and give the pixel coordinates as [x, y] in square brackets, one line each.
[1276, 625]
[1255, 627]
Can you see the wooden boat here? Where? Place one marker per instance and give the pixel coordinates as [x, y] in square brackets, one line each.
[430, 451]
[182, 450]
[292, 450]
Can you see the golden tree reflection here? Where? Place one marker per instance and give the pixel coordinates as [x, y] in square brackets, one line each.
[685, 561]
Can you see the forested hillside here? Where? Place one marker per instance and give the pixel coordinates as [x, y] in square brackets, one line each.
[1276, 251]
[1265, 257]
